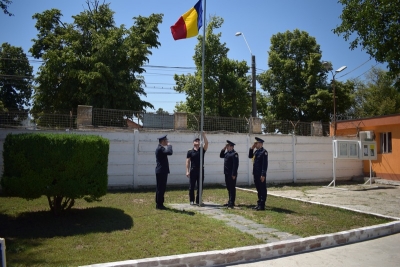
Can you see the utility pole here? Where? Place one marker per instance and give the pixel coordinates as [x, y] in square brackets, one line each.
[253, 79]
[253, 93]
[328, 67]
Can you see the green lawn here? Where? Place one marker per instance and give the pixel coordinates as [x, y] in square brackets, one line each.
[126, 225]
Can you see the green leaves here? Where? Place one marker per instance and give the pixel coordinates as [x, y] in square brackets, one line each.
[377, 96]
[226, 84]
[92, 61]
[375, 27]
[295, 74]
[60, 166]
[15, 78]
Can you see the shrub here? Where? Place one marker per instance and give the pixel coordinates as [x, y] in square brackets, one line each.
[63, 167]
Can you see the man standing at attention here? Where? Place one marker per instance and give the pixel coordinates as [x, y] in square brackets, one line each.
[231, 164]
[260, 166]
[193, 167]
[163, 150]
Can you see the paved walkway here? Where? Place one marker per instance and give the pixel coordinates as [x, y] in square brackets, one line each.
[260, 231]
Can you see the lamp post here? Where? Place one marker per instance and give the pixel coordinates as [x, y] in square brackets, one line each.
[253, 78]
[328, 67]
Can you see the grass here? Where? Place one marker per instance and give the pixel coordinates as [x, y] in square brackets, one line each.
[126, 225]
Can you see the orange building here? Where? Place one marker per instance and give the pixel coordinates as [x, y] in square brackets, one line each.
[385, 130]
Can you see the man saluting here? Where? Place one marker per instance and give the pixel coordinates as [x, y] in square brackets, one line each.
[231, 164]
[260, 166]
[163, 150]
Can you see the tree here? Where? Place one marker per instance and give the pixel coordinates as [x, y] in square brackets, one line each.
[321, 103]
[15, 78]
[375, 26]
[4, 6]
[296, 80]
[91, 61]
[62, 167]
[264, 106]
[226, 85]
[161, 111]
[377, 96]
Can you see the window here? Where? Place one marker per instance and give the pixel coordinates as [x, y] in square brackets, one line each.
[386, 142]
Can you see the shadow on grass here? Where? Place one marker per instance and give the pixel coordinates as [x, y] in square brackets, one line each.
[185, 212]
[279, 210]
[151, 189]
[267, 208]
[43, 224]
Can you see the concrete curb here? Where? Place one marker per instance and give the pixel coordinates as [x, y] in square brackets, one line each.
[267, 251]
[262, 252]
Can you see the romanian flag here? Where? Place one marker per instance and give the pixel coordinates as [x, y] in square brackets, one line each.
[188, 24]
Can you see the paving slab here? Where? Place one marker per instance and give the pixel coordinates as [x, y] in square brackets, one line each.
[218, 212]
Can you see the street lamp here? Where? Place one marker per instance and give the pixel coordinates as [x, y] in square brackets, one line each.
[253, 78]
[328, 67]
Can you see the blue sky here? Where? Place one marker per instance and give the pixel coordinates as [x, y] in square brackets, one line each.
[257, 19]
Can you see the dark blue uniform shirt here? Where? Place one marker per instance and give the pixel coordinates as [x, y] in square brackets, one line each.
[260, 161]
[162, 159]
[231, 162]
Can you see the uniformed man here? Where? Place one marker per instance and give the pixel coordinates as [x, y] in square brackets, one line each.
[231, 164]
[260, 166]
[193, 167]
[163, 150]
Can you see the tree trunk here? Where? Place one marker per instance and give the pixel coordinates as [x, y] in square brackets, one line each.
[57, 205]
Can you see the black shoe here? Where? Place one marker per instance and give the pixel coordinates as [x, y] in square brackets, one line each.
[226, 205]
[161, 207]
[230, 206]
[255, 207]
[260, 208]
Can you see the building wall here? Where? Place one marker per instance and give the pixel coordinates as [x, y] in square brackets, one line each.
[386, 165]
[297, 159]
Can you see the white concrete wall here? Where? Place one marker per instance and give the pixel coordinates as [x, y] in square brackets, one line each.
[131, 161]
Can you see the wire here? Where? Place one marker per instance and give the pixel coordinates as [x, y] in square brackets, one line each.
[354, 69]
[367, 70]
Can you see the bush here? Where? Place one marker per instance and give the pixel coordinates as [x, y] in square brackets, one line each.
[63, 167]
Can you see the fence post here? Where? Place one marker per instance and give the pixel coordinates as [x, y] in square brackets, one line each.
[256, 125]
[84, 116]
[316, 128]
[180, 121]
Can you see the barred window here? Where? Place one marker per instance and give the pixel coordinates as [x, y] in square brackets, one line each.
[386, 142]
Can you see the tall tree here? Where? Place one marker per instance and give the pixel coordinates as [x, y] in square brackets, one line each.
[161, 111]
[4, 6]
[226, 85]
[92, 61]
[296, 80]
[15, 78]
[375, 26]
[377, 96]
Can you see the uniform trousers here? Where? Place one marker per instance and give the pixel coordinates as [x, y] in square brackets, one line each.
[194, 184]
[261, 190]
[231, 187]
[161, 187]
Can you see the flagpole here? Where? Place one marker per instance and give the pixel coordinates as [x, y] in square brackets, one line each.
[202, 108]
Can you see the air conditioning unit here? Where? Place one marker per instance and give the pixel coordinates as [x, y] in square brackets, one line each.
[367, 135]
